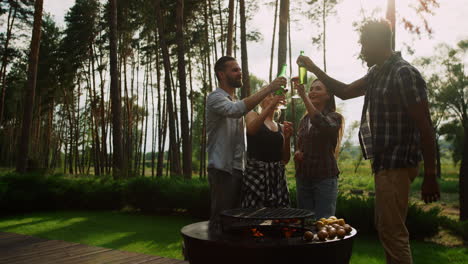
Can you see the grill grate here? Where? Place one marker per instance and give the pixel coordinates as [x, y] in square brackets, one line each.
[268, 213]
[270, 220]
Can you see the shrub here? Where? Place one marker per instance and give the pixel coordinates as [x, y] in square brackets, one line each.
[458, 228]
[30, 192]
[358, 211]
[422, 223]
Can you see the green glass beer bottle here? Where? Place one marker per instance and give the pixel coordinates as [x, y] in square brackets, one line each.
[282, 74]
[302, 72]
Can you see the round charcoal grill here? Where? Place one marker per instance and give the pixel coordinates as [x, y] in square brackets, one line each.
[234, 245]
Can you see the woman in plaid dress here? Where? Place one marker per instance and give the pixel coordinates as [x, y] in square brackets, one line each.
[319, 136]
[268, 150]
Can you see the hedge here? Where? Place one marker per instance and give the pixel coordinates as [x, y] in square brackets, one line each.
[30, 192]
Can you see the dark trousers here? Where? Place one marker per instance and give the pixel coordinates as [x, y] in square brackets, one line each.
[225, 193]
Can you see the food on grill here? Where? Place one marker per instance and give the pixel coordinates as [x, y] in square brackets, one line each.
[331, 228]
[347, 228]
[322, 234]
[319, 225]
[309, 236]
[341, 222]
[341, 233]
[331, 233]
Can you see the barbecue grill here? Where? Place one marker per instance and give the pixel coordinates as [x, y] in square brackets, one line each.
[237, 244]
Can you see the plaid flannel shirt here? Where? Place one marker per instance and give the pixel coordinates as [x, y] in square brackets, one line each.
[317, 139]
[387, 134]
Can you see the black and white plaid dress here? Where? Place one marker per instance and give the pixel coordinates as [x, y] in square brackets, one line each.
[264, 183]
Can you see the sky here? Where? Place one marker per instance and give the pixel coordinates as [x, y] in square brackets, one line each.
[449, 24]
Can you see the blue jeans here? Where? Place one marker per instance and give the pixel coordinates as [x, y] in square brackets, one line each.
[317, 195]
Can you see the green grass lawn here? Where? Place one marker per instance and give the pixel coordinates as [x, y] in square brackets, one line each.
[160, 235]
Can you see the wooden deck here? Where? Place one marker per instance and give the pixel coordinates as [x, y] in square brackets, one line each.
[16, 249]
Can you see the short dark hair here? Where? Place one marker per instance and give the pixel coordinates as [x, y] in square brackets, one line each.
[377, 29]
[220, 64]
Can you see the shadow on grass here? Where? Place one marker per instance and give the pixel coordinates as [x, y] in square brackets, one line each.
[157, 235]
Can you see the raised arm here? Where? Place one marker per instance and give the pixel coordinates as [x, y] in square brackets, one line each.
[256, 98]
[341, 90]
[221, 105]
[287, 133]
[254, 121]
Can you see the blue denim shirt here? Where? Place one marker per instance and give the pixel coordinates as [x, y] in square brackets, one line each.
[225, 130]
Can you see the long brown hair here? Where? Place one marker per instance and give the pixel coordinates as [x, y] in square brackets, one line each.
[331, 107]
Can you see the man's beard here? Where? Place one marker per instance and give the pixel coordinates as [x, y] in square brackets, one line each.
[369, 63]
[234, 82]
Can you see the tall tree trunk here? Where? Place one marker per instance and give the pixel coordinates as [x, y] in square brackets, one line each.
[213, 30]
[48, 134]
[186, 142]
[463, 178]
[128, 137]
[161, 118]
[65, 154]
[191, 97]
[245, 92]
[23, 145]
[10, 23]
[324, 39]
[230, 28]
[78, 165]
[221, 27]
[102, 111]
[94, 117]
[391, 17]
[283, 33]
[148, 72]
[36, 130]
[69, 142]
[273, 42]
[438, 163]
[235, 46]
[175, 161]
[153, 123]
[118, 166]
[293, 103]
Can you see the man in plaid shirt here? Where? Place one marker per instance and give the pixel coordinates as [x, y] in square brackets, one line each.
[396, 132]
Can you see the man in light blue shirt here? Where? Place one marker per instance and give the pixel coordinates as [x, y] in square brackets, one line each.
[226, 135]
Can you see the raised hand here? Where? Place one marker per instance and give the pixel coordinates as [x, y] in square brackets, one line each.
[300, 89]
[288, 129]
[299, 156]
[304, 61]
[277, 100]
[276, 84]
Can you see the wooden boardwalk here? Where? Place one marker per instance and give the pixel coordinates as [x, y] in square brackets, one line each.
[21, 249]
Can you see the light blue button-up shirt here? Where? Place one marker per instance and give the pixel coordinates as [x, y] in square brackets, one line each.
[225, 130]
